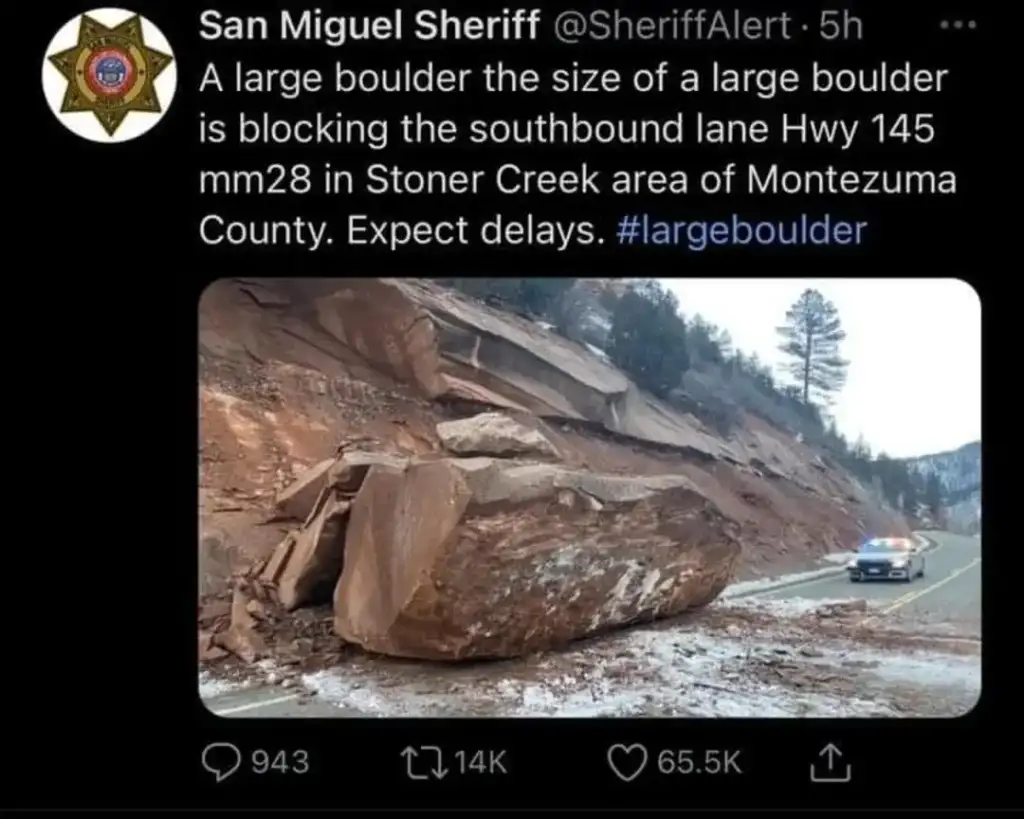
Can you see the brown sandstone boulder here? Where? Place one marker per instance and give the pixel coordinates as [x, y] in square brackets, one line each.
[279, 559]
[493, 433]
[347, 473]
[461, 558]
[240, 638]
[311, 556]
[318, 553]
[297, 500]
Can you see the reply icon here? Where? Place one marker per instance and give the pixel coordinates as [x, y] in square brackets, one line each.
[222, 759]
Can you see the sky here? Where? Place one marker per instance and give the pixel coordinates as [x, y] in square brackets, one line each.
[914, 345]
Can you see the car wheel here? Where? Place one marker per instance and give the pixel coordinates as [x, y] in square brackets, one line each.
[854, 579]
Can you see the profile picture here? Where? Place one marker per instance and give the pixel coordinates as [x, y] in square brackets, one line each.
[109, 75]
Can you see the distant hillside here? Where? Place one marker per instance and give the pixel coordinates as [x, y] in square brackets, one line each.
[960, 474]
[690, 365]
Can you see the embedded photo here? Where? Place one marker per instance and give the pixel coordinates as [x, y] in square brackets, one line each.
[587, 497]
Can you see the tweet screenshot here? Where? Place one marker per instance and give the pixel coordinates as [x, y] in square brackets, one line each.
[587, 399]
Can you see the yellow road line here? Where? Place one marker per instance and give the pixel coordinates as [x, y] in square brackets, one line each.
[909, 597]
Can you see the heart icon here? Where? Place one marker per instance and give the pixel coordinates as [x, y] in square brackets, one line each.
[627, 762]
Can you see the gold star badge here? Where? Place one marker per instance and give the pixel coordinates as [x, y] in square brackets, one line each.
[110, 71]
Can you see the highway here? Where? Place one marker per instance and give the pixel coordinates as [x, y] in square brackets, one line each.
[950, 591]
[948, 595]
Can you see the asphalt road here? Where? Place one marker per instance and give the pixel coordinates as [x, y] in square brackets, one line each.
[949, 593]
[272, 702]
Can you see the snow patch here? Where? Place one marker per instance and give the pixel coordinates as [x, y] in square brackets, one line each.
[792, 606]
[210, 686]
[755, 658]
[764, 584]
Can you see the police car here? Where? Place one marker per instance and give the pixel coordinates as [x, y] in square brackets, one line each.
[887, 559]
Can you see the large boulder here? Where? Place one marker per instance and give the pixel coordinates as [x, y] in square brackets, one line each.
[310, 557]
[297, 499]
[317, 554]
[459, 558]
[494, 433]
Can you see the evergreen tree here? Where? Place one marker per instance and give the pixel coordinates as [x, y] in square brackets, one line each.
[811, 335]
[724, 341]
[539, 297]
[861, 449]
[701, 341]
[933, 495]
[911, 494]
[648, 337]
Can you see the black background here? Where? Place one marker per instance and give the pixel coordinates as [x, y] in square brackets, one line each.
[110, 651]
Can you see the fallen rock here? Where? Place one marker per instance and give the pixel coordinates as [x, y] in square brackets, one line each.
[352, 442]
[279, 559]
[244, 643]
[240, 638]
[240, 617]
[843, 609]
[461, 558]
[214, 610]
[347, 473]
[297, 500]
[303, 646]
[318, 553]
[208, 652]
[258, 609]
[493, 433]
[261, 591]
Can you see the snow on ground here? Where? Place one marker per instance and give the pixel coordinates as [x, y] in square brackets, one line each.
[210, 686]
[763, 584]
[241, 678]
[749, 658]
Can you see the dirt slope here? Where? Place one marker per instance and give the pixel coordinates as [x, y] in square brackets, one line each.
[290, 369]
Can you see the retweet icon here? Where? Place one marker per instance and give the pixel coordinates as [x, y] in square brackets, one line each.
[109, 75]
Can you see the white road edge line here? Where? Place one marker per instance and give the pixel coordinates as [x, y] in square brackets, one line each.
[248, 707]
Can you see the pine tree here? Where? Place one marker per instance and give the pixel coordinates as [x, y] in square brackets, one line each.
[648, 337]
[724, 341]
[933, 495]
[811, 335]
[861, 449]
[911, 494]
[701, 340]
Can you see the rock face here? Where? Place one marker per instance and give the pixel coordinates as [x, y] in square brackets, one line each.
[377, 320]
[959, 472]
[460, 558]
[493, 433]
